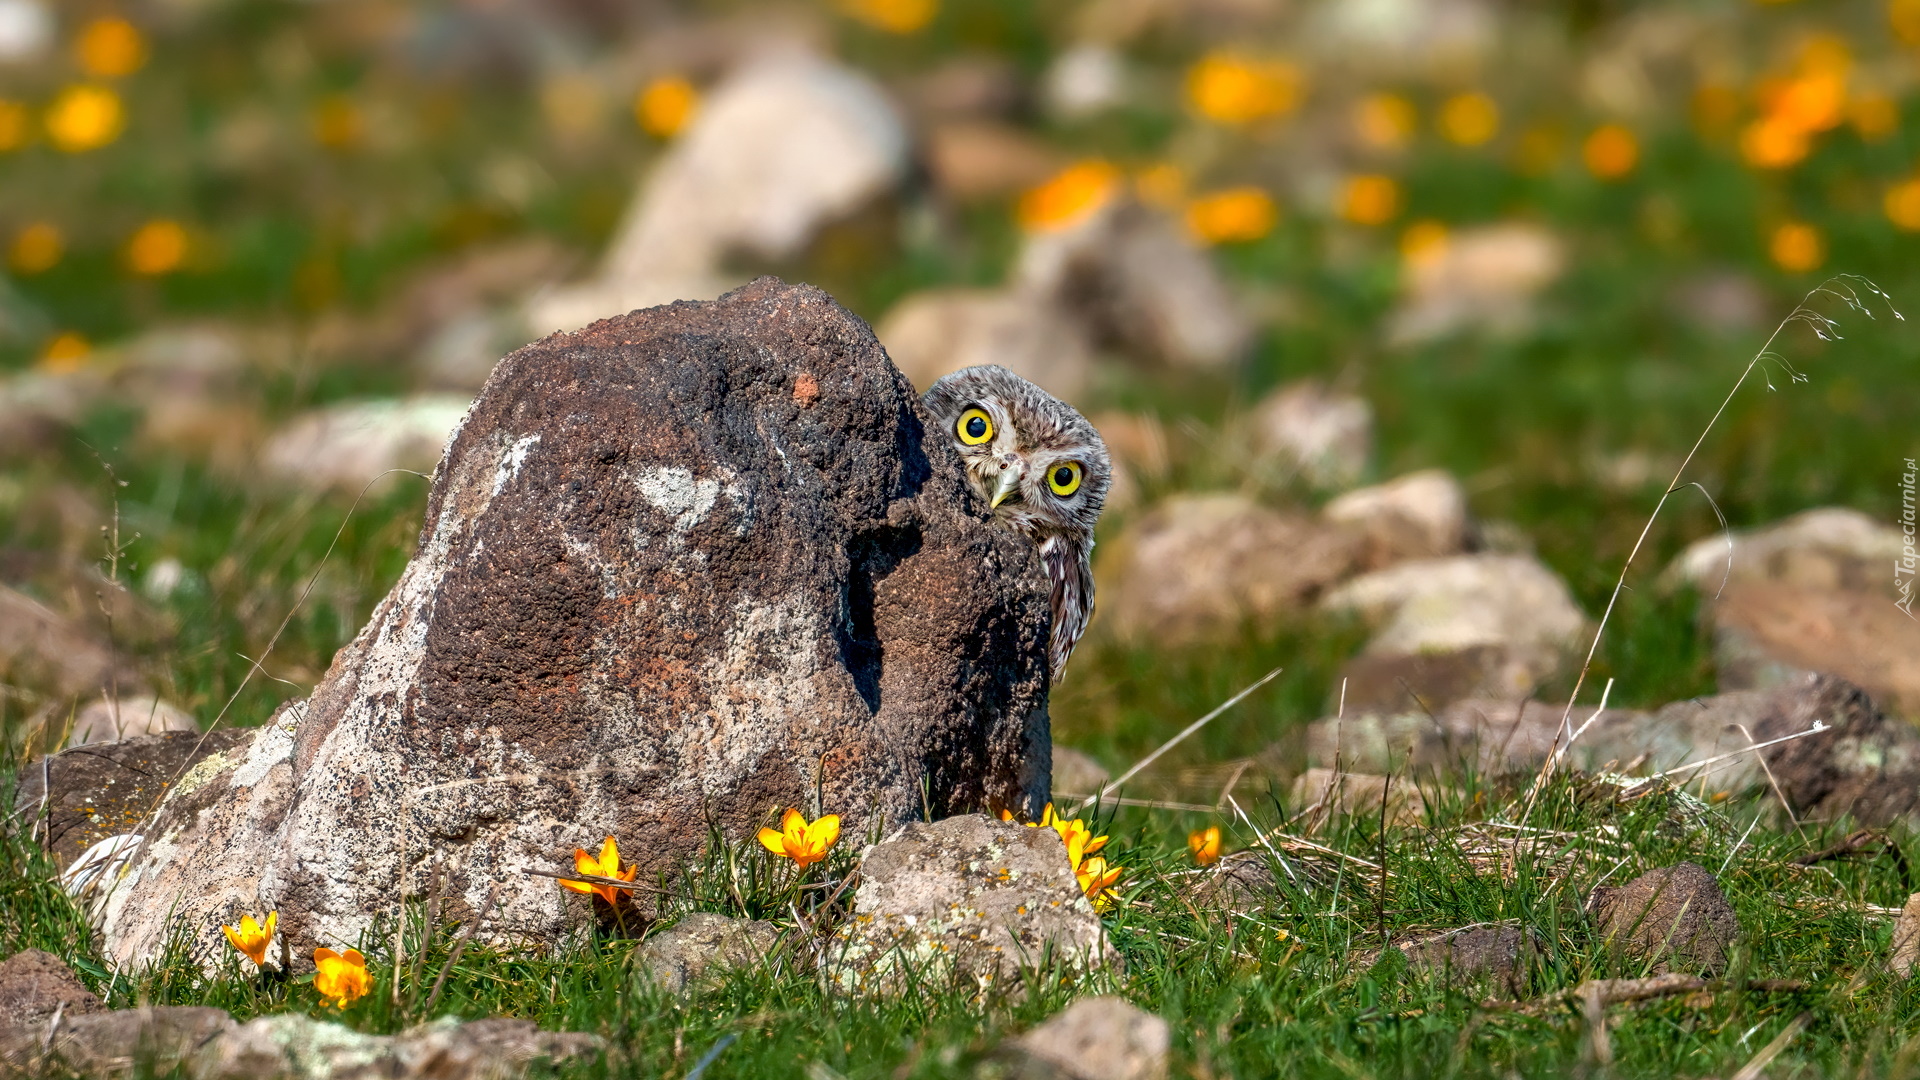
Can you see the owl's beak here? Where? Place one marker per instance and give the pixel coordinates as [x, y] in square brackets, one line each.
[1005, 486]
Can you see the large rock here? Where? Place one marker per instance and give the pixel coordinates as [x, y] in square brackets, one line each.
[1310, 431]
[293, 1047]
[1201, 567]
[143, 1042]
[702, 947]
[939, 331]
[679, 570]
[785, 145]
[1467, 626]
[1421, 515]
[102, 791]
[1096, 1038]
[1768, 635]
[111, 719]
[1832, 548]
[41, 648]
[1502, 955]
[35, 985]
[1672, 918]
[1138, 283]
[351, 445]
[969, 899]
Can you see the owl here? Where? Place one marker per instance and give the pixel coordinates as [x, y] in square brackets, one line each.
[1042, 468]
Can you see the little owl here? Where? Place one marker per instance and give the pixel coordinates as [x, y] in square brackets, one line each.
[1044, 471]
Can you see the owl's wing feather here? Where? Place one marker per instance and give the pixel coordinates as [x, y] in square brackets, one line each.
[1070, 567]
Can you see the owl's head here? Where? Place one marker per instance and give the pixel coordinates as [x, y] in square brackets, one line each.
[1036, 460]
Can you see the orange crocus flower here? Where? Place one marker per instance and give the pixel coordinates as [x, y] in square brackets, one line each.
[803, 842]
[341, 976]
[251, 938]
[607, 865]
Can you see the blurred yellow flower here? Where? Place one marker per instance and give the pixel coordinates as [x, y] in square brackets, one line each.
[1235, 90]
[66, 352]
[1815, 101]
[37, 248]
[341, 977]
[607, 865]
[337, 122]
[1874, 116]
[1772, 143]
[1370, 199]
[1904, 16]
[665, 105]
[1469, 119]
[893, 16]
[1423, 241]
[1235, 215]
[1902, 205]
[14, 121]
[1797, 247]
[1205, 845]
[800, 841]
[110, 47]
[1537, 151]
[251, 939]
[1384, 121]
[1610, 152]
[1075, 194]
[85, 117]
[1163, 185]
[158, 247]
[1095, 878]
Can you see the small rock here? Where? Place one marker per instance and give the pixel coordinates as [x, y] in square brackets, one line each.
[36, 407]
[1501, 955]
[1673, 918]
[1360, 794]
[1468, 626]
[1482, 278]
[1085, 79]
[41, 648]
[26, 29]
[1076, 774]
[105, 1043]
[1828, 549]
[977, 159]
[934, 333]
[289, 1046]
[1906, 939]
[1138, 283]
[107, 720]
[787, 144]
[1491, 737]
[1242, 881]
[971, 85]
[1767, 635]
[346, 446]
[1203, 567]
[969, 896]
[1306, 430]
[1097, 1038]
[702, 946]
[107, 789]
[1422, 515]
[34, 985]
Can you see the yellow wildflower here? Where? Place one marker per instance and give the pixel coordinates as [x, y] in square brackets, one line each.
[1610, 152]
[1075, 194]
[1095, 878]
[1423, 242]
[251, 938]
[1904, 17]
[1469, 119]
[1903, 205]
[800, 841]
[337, 123]
[1235, 215]
[893, 16]
[1205, 845]
[606, 866]
[13, 125]
[342, 976]
[157, 247]
[37, 248]
[1797, 247]
[1874, 116]
[664, 106]
[1370, 199]
[85, 117]
[109, 48]
[1235, 90]
[66, 352]
[1384, 121]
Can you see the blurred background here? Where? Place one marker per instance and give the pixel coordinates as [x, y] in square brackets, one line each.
[1505, 259]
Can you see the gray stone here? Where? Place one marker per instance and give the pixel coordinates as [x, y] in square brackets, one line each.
[937, 332]
[1204, 567]
[348, 446]
[108, 720]
[1306, 430]
[1670, 919]
[682, 569]
[1422, 515]
[34, 985]
[1138, 283]
[43, 649]
[702, 946]
[1351, 793]
[967, 898]
[1468, 626]
[1767, 635]
[1503, 956]
[1242, 881]
[1484, 278]
[106, 790]
[294, 1047]
[1096, 1038]
[1827, 549]
[979, 159]
[1906, 940]
[143, 1042]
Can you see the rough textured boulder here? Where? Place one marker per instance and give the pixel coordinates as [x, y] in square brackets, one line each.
[109, 719]
[1503, 956]
[968, 898]
[154, 1041]
[1098, 1038]
[1767, 635]
[683, 568]
[700, 947]
[34, 985]
[106, 790]
[1673, 918]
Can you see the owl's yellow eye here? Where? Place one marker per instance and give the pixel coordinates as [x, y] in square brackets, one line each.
[1064, 478]
[975, 427]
